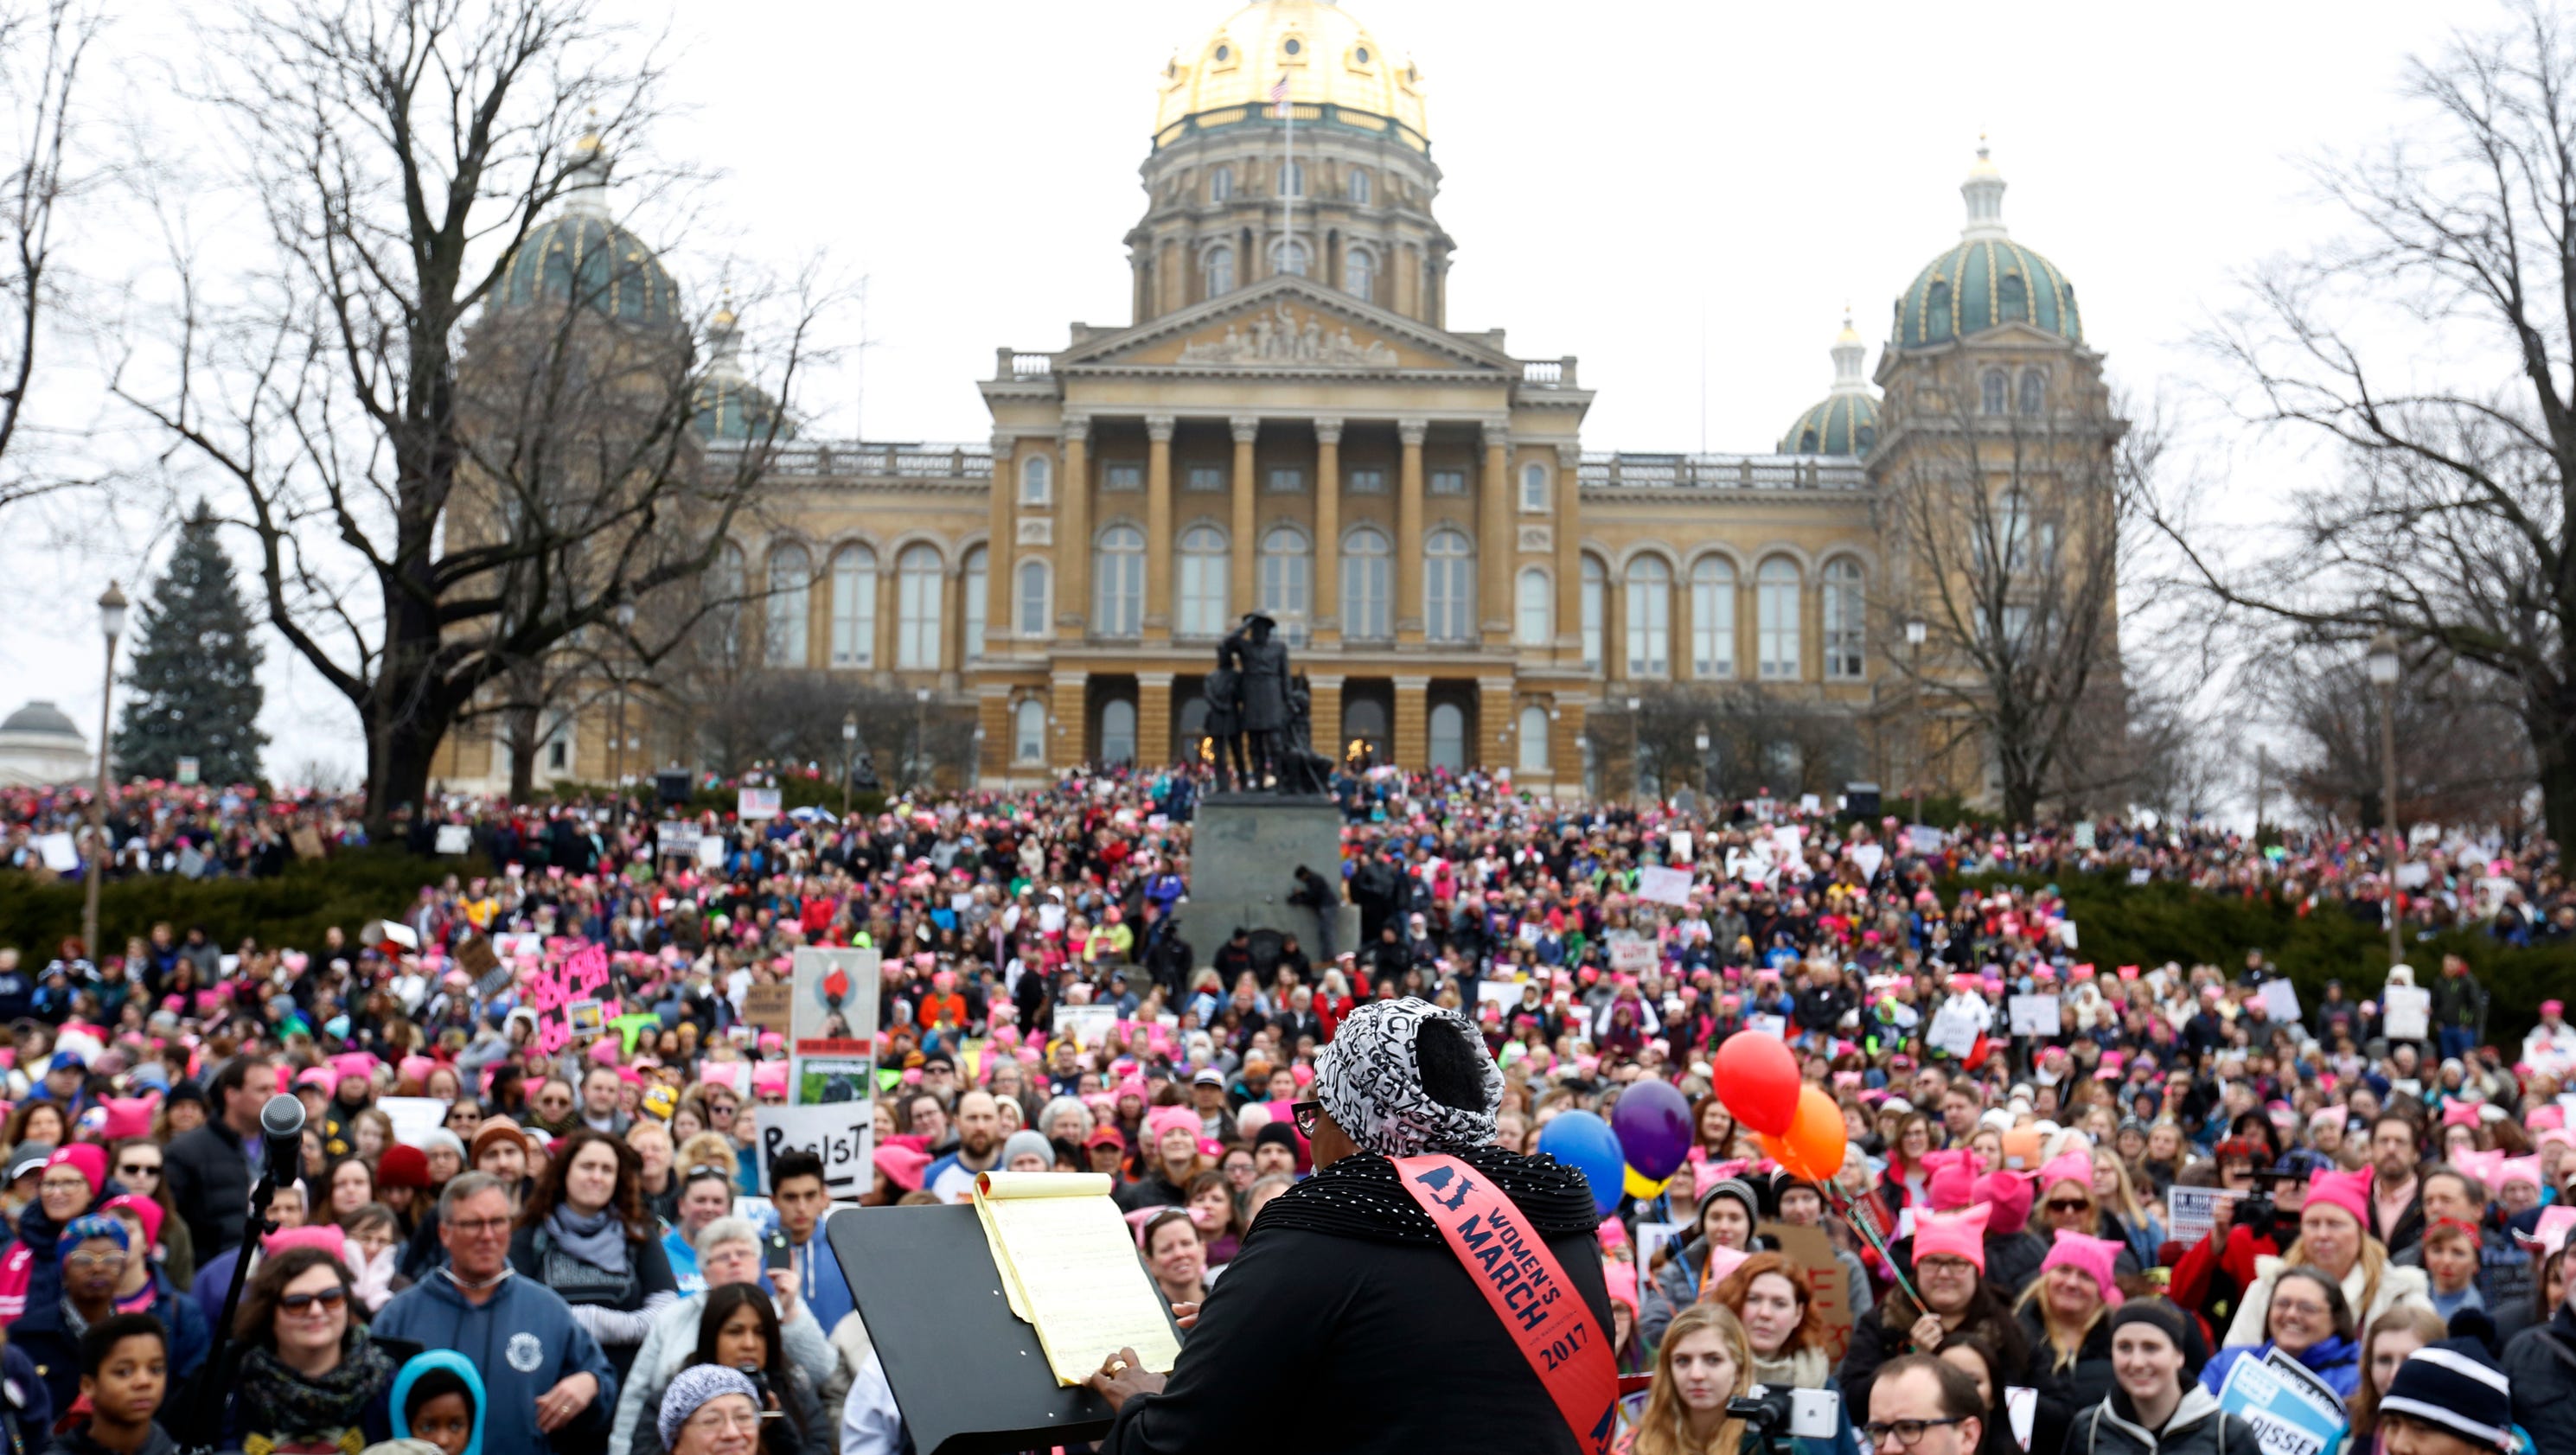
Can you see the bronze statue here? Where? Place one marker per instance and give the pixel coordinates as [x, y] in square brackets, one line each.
[1222, 691]
[1262, 662]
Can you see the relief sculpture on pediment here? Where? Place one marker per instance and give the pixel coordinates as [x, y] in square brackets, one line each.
[1280, 336]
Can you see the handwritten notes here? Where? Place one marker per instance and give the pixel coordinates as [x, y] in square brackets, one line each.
[1070, 1269]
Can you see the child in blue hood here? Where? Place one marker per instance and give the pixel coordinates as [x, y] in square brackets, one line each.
[438, 1401]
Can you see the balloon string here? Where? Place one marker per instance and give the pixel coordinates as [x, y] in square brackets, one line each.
[1860, 1221]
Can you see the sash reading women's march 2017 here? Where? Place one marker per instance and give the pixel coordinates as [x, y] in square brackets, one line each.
[1526, 1288]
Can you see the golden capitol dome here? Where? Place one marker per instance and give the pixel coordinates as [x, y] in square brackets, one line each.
[1327, 57]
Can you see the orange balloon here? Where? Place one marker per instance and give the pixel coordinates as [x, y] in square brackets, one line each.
[1814, 1143]
[1775, 1148]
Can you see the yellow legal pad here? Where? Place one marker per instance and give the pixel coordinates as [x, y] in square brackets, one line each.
[1069, 1267]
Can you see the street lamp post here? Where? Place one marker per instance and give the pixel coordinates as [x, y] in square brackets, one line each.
[1634, 773]
[920, 736]
[111, 623]
[1915, 632]
[1699, 741]
[2383, 666]
[617, 742]
[849, 759]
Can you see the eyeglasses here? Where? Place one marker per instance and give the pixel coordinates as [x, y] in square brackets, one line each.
[95, 1260]
[480, 1226]
[63, 1184]
[131, 1170]
[296, 1303]
[1908, 1433]
[1305, 1113]
[741, 1422]
[2299, 1308]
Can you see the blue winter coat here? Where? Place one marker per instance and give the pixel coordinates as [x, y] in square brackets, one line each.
[524, 1342]
[2336, 1361]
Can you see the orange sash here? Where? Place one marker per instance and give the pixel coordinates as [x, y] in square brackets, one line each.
[1527, 1289]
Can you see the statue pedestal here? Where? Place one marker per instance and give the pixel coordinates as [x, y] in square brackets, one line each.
[1244, 852]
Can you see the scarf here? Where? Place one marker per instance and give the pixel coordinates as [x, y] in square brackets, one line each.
[596, 1239]
[1359, 1197]
[1805, 1369]
[300, 1407]
[1367, 1078]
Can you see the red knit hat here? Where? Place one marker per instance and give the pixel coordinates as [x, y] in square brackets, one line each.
[403, 1165]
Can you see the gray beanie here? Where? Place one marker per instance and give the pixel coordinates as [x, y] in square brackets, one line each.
[1029, 1144]
[689, 1392]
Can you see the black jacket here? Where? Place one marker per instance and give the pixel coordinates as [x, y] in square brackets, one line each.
[2063, 1392]
[1367, 1341]
[2196, 1427]
[2541, 1362]
[208, 1173]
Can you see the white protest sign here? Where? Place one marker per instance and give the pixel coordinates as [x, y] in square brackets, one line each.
[1810, 803]
[2280, 1000]
[1954, 1029]
[2406, 1013]
[414, 1117]
[711, 852]
[1681, 847]
[2141, 876]
[2021, 1403]
[2035, 1015]
[1632, 953]
[834, 984]
[1923, 838]
[1772, 1027]
[57, 852]
[1502, 993]
[843, 1134]
[455, 838]
[1089, 1025]
[1664, 886]
[2066, 932]
[1868, 857]
[756, 803]
[2192, 1212]
[2414, 876]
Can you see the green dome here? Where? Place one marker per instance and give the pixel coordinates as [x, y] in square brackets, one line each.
[1984, 283]
[1844, 424]
[730, 409]
[612, 270]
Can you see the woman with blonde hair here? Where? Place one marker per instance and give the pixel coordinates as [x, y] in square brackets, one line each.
[2334, 1237]
[2123, 1216]
[1706, 1360]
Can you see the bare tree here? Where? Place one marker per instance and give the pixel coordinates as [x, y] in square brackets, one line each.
[454, 459]
[1756, 738]
[2006, 528]
[2461, 755]
[2432, 346]
[41, 51]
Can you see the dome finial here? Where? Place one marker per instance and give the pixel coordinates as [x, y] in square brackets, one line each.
[724, 343]
[585, 191]
[1849, 354]
[1984, 190]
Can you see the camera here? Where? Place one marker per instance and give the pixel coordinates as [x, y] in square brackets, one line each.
[2258, 1214]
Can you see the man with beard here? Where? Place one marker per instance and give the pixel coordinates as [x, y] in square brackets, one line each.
[2396, 1203]
[979, 1148]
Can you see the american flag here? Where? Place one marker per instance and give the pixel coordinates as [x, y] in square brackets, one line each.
[1279, 97]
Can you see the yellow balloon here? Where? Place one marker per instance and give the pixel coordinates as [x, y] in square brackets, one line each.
[1638, 1187]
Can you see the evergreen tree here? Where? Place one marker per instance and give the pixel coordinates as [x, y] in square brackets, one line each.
[194, 680]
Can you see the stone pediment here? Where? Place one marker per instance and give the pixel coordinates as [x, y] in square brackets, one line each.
[1287, 325]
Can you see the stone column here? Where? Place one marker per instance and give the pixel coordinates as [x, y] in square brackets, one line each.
[889, 600]
[1066, 734]
[1158, 530]
[1239, 582]
[1407, 606]
[1327, 613]
[1001, 554]
[1073, 528]
[1324, 714]
[1153, 719]
[1412, 745]
[1498, 550]
[1495, 710]
[1569, 555]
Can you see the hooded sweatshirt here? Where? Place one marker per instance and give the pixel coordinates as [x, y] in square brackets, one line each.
[523, 1340]
[420, 1364]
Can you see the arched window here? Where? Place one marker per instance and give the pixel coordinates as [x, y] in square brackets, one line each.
[1775, 619]
[1202, 593]
[1650, 617]
[724, 589]
[1036, 474]
[1118, 580]
[1807, 442]
[1449, 587]
[1533, 729]
[1292, 179]
[974, 586]
[1359, 274]
[1992, 389]
[1596, 609]
[1713, 618]
[1288, 579]
[1367, 567]
[791, 575]
[1534, 488]
[1033, 599]
[917, 585]
[1220, 183]
[1448, 736]
[1844, 620]
[1289, 255]
[1117, 731]
[1936, 310]
[1028, 731]
[2012, 298]
[1865, 439]
[1360, 188]
[1217, 266]
[1534, 608]
[854, 607]
[2034, 391]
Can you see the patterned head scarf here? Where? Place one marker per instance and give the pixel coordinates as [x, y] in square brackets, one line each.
[1368, 1079]
[689, 1392]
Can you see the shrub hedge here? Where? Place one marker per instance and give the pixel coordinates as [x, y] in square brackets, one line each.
[351, 887]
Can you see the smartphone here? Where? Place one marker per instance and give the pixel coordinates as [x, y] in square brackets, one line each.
[775, 1252]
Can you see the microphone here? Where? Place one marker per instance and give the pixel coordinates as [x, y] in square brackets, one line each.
[281, 1124]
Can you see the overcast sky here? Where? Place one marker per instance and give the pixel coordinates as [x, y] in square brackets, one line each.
[1671, 193]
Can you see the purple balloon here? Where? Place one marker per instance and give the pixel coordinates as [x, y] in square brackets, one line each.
[1652, 1119]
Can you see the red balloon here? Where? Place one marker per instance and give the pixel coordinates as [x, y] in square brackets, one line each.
[1757, 1079]
[1814, 1143]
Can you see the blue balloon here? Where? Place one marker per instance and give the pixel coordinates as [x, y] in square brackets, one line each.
[1583, 1141]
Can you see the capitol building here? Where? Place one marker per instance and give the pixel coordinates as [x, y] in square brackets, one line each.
[1290, 420]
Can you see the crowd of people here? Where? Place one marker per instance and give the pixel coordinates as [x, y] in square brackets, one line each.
[515, 1233]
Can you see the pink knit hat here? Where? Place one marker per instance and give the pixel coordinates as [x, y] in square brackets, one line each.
[2075, 1167]
[2089, 1255]
[902, 1165]
[1622, 1278]
[1721, 1262]
[2347, 1190]
[1954, 1235]
[1953, 1183]
[2008, 1196]
[1171, 1119]
[2518, 1169]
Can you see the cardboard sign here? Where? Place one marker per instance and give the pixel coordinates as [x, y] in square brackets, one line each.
[1827, 1279]
[836, 994]
[2406, 1013]
[455, 838]
[475, 956]
[2192, 1212]
[843, 1135]
[1632, 953]
[769, 1007]
[756, 803]
[307, 841]
[2035, 1015]
[1664, 886]
[2280, 1001]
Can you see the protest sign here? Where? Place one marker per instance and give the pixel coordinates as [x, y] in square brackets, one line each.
[1776, 1027]
[1923, 838]
[1651, 1237]
[834, 1072]
[1664, 886]
[842, 1134]
[585, 1019]
[769, 1007]
[2192, 1212]
[306, 841]
[187, 774]
[414, 1117]
[1954, 1030]
[1632, 953]
[835, 994]
[1827, 1279]
[2021, 1405]
[2280, 1000]
[518, 946]
[756, 803]
[1503, 994]
[672, 836]
[2305, 1381]
[58, 852]
[2084, 833]
[2286, 1419]
[2406, 1013]
[455, 838]
[1089, 1025]
[1681, 847]
[554, 986]
[2140, 876]
[1868, 857]
[711, 852]
[2035, 1015]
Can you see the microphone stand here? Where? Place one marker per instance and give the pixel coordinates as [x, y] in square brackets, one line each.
[202, 1420]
